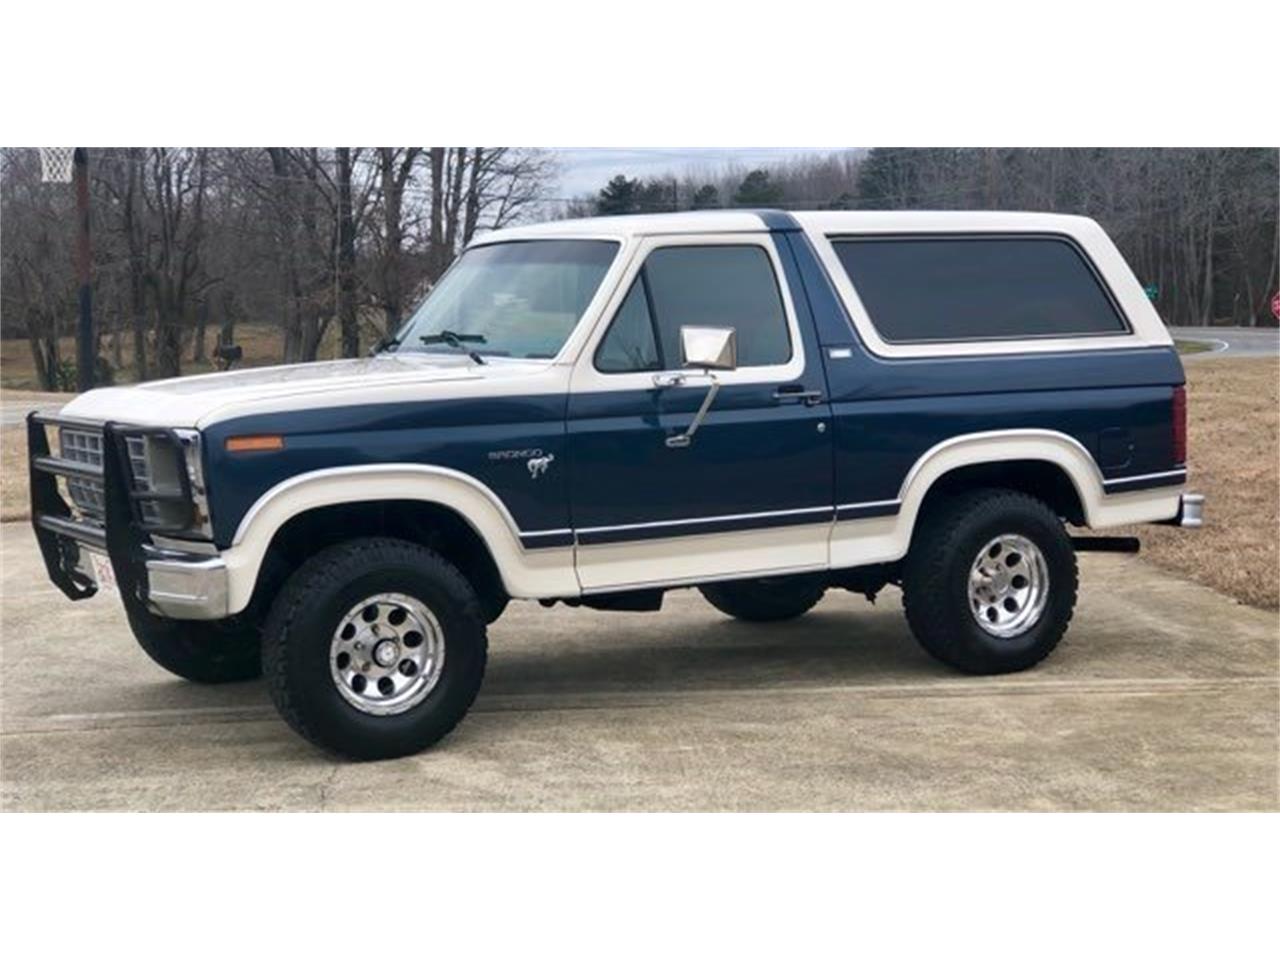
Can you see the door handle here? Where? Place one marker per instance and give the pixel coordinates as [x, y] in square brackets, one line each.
[796, 393]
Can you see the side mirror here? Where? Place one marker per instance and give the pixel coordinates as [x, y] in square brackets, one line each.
[710, 348]
[706, 349]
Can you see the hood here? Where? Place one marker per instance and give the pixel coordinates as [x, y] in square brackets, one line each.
[199, 400]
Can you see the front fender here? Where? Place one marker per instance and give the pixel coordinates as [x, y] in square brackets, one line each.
[542, 572]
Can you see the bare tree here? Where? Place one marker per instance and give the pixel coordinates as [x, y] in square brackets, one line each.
[347, 254]
[396, 167]
[35, 271]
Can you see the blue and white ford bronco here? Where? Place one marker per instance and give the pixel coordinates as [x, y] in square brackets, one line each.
[762, 405]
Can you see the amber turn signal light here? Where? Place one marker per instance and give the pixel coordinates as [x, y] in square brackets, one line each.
[248, 444]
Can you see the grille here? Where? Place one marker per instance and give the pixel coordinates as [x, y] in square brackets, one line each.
[83, 446]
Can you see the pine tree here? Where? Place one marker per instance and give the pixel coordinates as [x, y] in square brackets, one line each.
[706, 197]
[757, 190]
[618, 196]
[656, 196]
[887, 179]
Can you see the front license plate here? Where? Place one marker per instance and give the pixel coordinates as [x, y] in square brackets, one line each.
[103, 573]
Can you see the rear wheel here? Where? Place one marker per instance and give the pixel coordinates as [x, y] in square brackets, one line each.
[990, 583]
[375, 648]
[766, 599]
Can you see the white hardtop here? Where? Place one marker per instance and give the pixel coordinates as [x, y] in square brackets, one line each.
[824, 227]
[814, 221]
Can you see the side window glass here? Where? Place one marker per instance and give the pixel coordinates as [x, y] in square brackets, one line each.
[629, 345]
[719, 286]
[951, 289]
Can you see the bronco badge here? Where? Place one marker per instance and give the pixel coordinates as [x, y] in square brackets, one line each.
[538, 465]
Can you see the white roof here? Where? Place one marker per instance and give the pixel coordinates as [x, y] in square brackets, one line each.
[813, 221]
[696, 221]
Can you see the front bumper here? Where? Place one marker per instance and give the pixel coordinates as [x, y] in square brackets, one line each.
[188, 587]
[179, 586]
[167, 580]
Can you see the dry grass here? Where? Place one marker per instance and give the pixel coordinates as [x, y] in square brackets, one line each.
[1233, 436]
[1234, 409]
[263, 345]
[1192, 346]
[13, 474]
[13, 453]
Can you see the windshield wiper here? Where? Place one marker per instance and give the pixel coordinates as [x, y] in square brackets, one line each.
[458, 341]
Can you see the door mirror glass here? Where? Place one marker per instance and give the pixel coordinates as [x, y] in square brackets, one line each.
[709, 348]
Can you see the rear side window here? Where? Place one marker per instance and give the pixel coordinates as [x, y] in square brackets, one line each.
[918, 290]
[712, 286]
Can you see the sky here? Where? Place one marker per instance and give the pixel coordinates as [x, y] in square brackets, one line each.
[587, 169]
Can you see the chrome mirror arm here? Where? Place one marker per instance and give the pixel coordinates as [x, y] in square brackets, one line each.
[684, 439]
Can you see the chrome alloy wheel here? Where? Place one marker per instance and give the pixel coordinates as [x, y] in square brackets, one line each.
[1008, 586]
[387, 654]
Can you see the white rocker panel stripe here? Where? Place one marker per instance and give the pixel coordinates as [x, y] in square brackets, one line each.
[702, 558]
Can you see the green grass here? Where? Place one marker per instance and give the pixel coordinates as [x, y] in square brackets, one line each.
[1192, 346]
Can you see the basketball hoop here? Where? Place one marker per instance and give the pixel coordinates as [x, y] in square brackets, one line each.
[55, 164]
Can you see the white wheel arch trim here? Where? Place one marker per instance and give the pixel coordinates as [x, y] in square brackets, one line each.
[885, 539]
[533, 573]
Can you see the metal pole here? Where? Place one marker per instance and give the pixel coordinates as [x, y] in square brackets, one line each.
[85, 345]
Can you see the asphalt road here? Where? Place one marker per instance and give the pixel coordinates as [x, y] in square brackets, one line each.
[1164, 696]
[1231, 341]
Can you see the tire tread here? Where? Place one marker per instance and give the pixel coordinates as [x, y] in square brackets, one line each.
[327, 571]
[931, 619]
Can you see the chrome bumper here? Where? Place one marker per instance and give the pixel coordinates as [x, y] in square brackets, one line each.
[1190, 511]
[179, 586]
[188, 588]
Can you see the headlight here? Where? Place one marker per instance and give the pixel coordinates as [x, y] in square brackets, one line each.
[83, 445]
[168, 482]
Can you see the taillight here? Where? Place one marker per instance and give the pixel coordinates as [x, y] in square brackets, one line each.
[1179, 424]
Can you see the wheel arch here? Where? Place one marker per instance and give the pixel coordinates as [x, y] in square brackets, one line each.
[975, 456]
[403, 490]
[1018, 458]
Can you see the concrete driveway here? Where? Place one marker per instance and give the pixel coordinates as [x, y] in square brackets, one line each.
[1164, 696]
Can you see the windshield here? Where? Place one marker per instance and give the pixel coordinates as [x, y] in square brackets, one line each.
[519, 299]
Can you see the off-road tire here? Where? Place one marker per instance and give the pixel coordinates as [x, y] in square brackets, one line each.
[203, 651]
[299, 629]
[766, 599]
[936, 575]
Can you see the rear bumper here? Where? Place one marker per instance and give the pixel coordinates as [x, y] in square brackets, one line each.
[1190, 511]
[167, 581]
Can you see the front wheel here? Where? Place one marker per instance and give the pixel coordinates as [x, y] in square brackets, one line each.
[990, 583]
[375, 648]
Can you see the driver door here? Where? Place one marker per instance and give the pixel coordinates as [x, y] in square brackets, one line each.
[751, 494]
